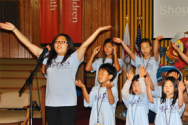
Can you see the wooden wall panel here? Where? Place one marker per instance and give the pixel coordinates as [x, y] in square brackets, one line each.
[95, 13]
[22, 15]
[94, 24]
[1, 45]
[99, 22]
[88, 24]
[6, 43]
[36, 22]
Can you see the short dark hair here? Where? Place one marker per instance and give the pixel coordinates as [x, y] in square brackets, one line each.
[173, 70]
[145, 40]
[110, 69]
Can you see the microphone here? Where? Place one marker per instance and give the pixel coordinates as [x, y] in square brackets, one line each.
[41, 57]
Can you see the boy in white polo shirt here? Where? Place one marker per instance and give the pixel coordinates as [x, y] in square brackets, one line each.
[102, 98]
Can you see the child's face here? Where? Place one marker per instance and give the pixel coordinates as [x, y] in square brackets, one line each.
[103, 76]
[145, 48]
[168, 89]
[136, 88]
[108, 49]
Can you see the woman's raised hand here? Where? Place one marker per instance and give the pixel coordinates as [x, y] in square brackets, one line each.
[105, 28]
[7, 26]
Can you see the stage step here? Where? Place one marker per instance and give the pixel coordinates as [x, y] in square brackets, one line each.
[17, 61]
[14, 72]
[19, 67]
[19, 74]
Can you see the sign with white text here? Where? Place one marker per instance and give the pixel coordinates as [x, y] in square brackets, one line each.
[49, 20]
[72, 24]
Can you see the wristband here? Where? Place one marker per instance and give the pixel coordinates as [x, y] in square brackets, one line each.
[14, 28]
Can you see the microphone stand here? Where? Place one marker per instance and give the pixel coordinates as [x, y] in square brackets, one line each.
[29, 83]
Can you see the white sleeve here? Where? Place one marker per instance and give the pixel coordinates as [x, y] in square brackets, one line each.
[75, 58]
[125, 90]
[115, 94]
[155, 105]
[158, 62]
[181, 109]
[91, 98]
[137, 59]
[94, 65]
[45, 61]
[142, 86]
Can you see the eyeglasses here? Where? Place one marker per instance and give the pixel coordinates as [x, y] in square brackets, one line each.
[61, 42]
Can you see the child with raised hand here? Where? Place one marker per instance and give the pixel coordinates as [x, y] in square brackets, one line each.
[151, 63]
[137, 102]
[174, 72]
[109, 56]
[102, 98]
[170, 106]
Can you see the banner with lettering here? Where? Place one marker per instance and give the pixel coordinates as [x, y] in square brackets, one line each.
[72, 24]
[49, 20]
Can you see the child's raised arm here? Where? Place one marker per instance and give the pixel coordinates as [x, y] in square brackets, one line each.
[181, 88]
[82, 49]
[126, 48]
[89, 63]
[84, 91]
[156, 47]
[116, 62]
[109, 85]
[33, 48]
[151, 83]
[142, 73]
[149, 94]
[182, 55]
[126, 87]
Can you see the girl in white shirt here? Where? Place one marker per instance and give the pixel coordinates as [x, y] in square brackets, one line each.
[170, 106]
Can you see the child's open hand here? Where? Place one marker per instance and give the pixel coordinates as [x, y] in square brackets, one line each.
[109, 85]
[175, 75]
[79, 84]
[96, 50]
[181, 86]
[158, 38]
[147, 80]
[142, 71]
[130, 75]
[117, 40]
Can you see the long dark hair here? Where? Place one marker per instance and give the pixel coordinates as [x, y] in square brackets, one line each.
[108, 40]
[175, 84]
[53, 53]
